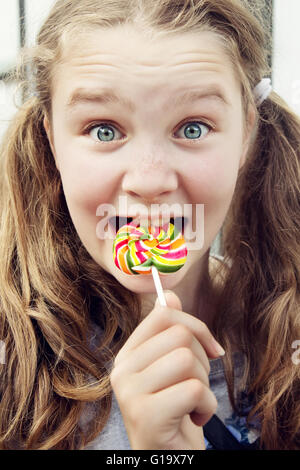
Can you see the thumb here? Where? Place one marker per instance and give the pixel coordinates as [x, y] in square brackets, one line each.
[172, 300]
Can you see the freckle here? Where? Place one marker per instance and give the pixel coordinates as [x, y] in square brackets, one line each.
[150, 163]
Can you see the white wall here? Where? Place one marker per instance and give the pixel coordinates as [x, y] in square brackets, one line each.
[9, 34]
[286, 55]
[8, 96]
[36, 12]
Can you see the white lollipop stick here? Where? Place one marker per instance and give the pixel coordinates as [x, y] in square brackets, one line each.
[158, 286]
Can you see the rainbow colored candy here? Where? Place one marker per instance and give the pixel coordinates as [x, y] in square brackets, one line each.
[137, 249]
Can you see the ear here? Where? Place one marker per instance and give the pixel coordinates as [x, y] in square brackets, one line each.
[249, 133]
[47, 127]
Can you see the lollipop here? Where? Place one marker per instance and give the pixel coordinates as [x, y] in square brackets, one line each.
[147, 250]
[141, 250]
[137, 249]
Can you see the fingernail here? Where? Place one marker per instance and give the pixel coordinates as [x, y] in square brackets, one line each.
[218, 348]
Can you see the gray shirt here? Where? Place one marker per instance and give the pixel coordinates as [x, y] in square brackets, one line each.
[114, 435]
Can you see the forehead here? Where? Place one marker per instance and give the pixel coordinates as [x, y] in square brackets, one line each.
[122, 57]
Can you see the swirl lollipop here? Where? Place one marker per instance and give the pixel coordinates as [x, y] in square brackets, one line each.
[141, 250]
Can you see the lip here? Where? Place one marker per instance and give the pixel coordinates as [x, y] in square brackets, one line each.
[118, 221]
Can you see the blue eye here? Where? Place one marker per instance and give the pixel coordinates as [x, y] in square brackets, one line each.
[106, 132]
[103, 132]
[195, 130]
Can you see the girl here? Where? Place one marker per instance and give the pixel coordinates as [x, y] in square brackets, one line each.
[92, 361]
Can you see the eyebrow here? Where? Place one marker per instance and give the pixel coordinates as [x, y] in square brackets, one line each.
[110, 96]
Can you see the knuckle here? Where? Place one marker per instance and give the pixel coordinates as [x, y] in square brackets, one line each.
[162, 315]
[117, 359]
[114, 376]
[199, 390]
[196, 389]
[185, 358]
[202, 328]
[136, 412]
[206, 382]
[182, 334]
[214, 404]
[124, 386]
[123, 393]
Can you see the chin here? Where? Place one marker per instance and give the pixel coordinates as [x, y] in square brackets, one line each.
[144, 283]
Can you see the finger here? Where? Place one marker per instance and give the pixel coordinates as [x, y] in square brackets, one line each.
[177, 336]
[172, 300]
[153, 323]
[175, 367]
[188, 397]
[161, 318]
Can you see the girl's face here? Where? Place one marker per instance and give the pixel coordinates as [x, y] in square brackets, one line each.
[155, 121]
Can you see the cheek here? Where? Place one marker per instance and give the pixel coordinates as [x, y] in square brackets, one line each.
[211, 180]
[87, 184]
[89, 178]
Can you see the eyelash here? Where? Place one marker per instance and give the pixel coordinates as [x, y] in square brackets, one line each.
[111, 124]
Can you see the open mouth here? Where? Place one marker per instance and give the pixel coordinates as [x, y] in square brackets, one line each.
[117, 222]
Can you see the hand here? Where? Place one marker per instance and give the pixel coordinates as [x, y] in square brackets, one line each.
[160, 379]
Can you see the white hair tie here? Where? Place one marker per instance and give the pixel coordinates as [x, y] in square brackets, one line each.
[262, 91]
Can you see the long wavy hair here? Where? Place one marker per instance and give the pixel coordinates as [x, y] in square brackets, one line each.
[51, 289]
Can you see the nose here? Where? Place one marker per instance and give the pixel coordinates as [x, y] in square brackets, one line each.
[150, 177]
